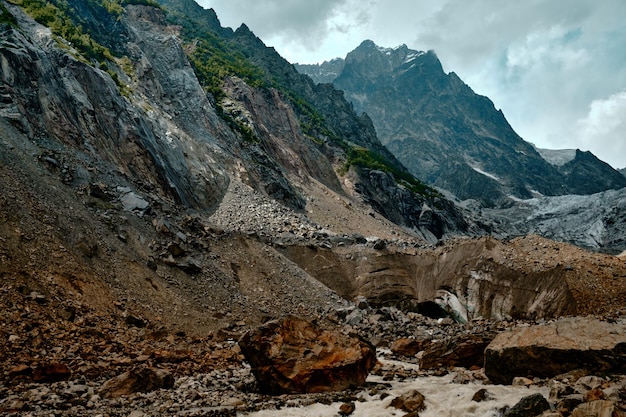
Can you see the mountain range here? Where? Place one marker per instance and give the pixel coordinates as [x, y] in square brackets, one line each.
[451, 137]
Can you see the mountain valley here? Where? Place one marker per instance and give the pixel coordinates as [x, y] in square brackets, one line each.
[169, 184]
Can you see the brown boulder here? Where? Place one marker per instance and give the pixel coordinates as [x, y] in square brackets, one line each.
[293, 355]
[51, 372]
[482, 395]
[464, 351]
[411, 401]
[555, 348]
[347, 408]
[140, 379]
[600, 408]
[21, 369]
[408, 347]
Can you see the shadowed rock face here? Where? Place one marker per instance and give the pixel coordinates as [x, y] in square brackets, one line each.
[484, 285]
[154, 123]
[293, 355]
[556, 348]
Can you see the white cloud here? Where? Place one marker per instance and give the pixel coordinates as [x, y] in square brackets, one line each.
[603, 129]
[546, 48]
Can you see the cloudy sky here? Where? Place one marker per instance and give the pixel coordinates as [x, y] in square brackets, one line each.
[556, 68]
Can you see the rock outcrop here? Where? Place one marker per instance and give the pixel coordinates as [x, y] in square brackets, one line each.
[484, 282]
[554, 348]
[51, 372]
[293, 355]
[411, 402]
[140, 379]
[599, 408]
[465, 351]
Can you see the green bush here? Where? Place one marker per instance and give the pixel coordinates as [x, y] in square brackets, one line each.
[56, 17]
[143, 2]
[366, 158]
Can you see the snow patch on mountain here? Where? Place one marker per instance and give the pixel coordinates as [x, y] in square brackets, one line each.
[413, 55]
[386, 51]
[486, 174]
[558, 157]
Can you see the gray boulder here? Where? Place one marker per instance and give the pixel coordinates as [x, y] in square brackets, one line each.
[529, 406]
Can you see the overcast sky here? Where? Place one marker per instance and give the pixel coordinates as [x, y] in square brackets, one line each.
[556, 68]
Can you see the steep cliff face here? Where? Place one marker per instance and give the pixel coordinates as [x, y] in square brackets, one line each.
[449, 136]
[321, 128]
[141, 131]
[476, 273]
[106, 197]
[71, 106]
[154, 121]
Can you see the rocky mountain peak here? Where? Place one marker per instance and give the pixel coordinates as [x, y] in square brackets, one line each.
[452, 138]
[377, 64]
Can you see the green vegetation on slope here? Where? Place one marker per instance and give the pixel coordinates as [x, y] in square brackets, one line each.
[66, 24]
[116, 6]
[6, 16]
[56, 16]
[61, 18]
[366, 158]
[215, 57]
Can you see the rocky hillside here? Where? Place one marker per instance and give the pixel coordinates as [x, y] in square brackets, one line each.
[449, 136]
[141, 179]
[125, 182]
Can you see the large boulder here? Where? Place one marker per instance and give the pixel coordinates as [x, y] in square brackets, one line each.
[599, 408]
[294, 355]
[555, 348]
[529, 406]
[408, 347]
[51, 372]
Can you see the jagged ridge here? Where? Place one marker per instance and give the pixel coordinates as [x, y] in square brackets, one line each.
[449, 136]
